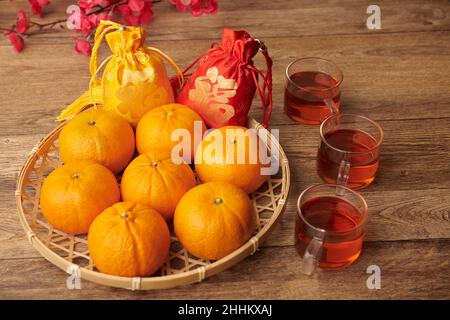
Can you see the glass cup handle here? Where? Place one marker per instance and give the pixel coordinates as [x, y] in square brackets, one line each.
[311, 257]
[342, 177]
[330, 105]
[343, 173]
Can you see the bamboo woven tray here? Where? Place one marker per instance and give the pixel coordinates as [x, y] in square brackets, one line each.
[70, 252]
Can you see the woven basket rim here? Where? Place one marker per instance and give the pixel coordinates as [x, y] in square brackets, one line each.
[153, 282]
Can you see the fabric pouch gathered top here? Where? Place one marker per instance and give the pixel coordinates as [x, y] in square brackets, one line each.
[134, 78]
[222, 87]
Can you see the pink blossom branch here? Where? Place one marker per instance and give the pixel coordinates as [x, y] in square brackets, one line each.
[51, 25]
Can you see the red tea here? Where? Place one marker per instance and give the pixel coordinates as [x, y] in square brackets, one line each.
[307, 94]
[355, 147]
[341, 221]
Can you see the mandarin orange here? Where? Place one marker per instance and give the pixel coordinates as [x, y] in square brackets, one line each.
[214, 219]
[129, 240]
[155, 180]
[155, 129]
[98, 135]
[74, 194]
[231, 154]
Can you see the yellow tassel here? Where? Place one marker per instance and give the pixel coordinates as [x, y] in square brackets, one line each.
[81, 103]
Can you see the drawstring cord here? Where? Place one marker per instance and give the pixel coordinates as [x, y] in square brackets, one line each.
[189, 67]
[103, 28]
[261, 94]
[94, 78]
[213, 46]
[180, 74]
[89, 97]
[265, 93]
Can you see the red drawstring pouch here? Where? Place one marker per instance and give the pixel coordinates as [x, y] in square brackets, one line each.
[222, 87]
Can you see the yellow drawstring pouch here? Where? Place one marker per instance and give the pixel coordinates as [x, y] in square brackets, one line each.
[134, 79]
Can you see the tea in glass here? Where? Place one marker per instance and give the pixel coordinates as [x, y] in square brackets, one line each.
[329, 229]
[312, 90]
[349, 150]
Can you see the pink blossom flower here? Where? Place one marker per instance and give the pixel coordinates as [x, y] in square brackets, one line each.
[182, 5]
[22, 22]
[87, 24]
[147, 14]
[88, 5]
[83, 47]
[36, 6]
[95, 19]
[132, 20]
[136, 5]
[123, 9]
[199, 7]
[16, 41]
[138, 12]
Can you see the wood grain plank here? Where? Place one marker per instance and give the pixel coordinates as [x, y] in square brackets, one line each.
[408, 149]
[388, 91]
[407, 152]
[393, 216]
[268, 18]
[398, 75]
[419, 215]
[408, 200]
[405, 274]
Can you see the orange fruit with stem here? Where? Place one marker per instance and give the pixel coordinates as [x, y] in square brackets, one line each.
[231, 154]
[214, 219]
[155, 129]
[129, 240]
[98, 135]
[74, 194]
[155, 180]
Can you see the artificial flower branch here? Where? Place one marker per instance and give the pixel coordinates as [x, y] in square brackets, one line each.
[88, 15]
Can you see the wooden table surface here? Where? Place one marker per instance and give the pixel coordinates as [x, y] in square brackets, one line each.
[399, 76]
